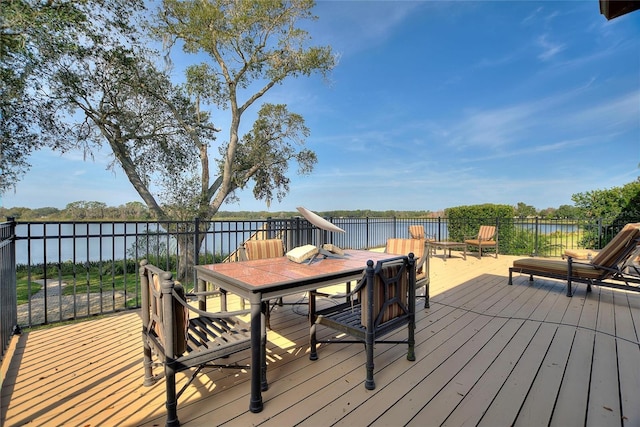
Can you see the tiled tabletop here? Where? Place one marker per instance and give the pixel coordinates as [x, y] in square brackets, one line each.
[266, 273]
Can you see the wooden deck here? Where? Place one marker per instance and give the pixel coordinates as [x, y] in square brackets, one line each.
[488, 354]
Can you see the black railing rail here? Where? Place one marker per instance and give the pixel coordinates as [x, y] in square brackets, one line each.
[8, 297]
[67, 270]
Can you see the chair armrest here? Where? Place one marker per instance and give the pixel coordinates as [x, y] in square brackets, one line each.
[218, 314]
[361, 282]
[242, 253]
[321, 294]
[421, 261]
[201, 294]
[576, 260]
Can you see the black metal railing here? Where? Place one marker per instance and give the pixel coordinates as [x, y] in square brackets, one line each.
[8, 298]
[70, 270]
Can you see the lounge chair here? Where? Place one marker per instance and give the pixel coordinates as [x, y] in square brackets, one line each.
[420, 249]
[486, 238]
[383, 301]
[607, 268]
[182, 337]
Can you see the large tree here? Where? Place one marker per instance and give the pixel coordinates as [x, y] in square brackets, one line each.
[96, 83]
[253, 45]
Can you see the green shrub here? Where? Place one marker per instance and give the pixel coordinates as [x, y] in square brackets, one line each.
[465, 221]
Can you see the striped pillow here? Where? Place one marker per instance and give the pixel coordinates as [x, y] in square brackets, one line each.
[416, 231]
[486, 232]
[406, 246]
[395, 279]
[261, 249]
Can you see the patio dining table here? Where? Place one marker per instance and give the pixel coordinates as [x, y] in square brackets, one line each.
[265, 279]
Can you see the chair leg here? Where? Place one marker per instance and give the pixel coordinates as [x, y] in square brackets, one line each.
[426, 296]
[313, 355]
[411, 353]
[369, 383]
[148, 363]
[172, 401]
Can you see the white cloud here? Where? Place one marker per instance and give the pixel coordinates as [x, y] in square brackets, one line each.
[549, 48]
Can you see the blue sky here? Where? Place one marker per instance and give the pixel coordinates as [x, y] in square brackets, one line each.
[437, 104]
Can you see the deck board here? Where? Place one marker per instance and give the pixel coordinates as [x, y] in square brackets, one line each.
[604, 402]
[486, 354]
[471, 409]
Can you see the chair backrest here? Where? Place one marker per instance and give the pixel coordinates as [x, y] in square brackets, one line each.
[152, 280]
[416, 231]
[390, 292]
[622, 244]
[261, 249]
[486, 232]
[406, 246]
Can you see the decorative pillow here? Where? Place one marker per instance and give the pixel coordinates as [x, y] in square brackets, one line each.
[396, 283]
[302, 253]
[261, 249]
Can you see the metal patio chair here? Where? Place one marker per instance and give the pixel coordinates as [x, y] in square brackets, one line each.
[383, 301]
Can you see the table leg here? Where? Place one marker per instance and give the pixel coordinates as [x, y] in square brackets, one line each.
[264, 385]
[201, 286]
[255, 404]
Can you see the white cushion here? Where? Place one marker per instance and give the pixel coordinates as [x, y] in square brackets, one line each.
[302, 253]
[333, 249]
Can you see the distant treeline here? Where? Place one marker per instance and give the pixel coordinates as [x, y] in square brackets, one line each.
[136, 211]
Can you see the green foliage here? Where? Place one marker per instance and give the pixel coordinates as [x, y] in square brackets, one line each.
[570, 212]
[270, 145]
[80, 211]
[526, 242]
[151, 243]
[24, 291]
[617, 205]
[610, 203]
[465, 221]
[40, 43]
[524, 210]
[94, 276]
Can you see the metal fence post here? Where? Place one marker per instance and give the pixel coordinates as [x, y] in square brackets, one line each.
[535, 240]
[8, 288]
[196, 242]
